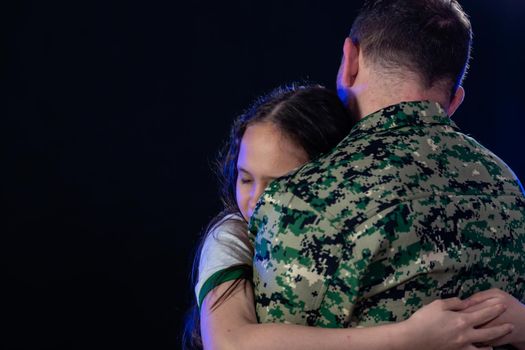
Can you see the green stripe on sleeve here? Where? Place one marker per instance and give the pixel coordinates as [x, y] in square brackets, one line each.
[219, 277]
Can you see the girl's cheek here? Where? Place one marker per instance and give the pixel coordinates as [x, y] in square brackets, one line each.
[242, 199]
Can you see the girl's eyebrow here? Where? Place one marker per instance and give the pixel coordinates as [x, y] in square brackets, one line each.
[241, 169]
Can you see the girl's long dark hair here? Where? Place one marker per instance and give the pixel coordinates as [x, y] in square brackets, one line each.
[311, 116]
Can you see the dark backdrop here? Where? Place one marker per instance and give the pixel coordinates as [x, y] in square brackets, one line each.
[111, 114]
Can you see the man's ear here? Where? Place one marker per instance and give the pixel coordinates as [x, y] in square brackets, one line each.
[349, 64]
[457, 99]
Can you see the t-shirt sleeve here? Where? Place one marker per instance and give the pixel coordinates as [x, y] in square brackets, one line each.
[225, 255]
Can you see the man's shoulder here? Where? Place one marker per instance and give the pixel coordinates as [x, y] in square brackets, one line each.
[377, 170]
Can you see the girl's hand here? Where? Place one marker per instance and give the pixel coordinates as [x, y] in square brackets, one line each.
[515, 314]
[442, 325]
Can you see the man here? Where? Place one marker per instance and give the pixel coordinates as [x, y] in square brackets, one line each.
[406, 209]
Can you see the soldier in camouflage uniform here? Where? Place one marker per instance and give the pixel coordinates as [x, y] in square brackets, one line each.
[406, 209]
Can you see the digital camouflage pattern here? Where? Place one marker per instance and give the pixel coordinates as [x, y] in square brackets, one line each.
[405, 210]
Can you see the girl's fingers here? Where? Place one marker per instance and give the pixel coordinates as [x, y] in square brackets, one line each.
[485, 335]
[485, 315]
[453, 304]
[501, 341]
[469, 305]
[474, 306]
[486, 294]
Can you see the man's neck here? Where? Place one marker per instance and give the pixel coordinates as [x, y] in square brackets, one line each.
[369, 108]
[371, 98]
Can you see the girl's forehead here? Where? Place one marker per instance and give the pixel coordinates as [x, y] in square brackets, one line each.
[266, 151]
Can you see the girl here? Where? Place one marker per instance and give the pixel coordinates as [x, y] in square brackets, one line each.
[280, 132]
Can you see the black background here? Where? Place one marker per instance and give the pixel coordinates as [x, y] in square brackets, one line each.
[112, 113]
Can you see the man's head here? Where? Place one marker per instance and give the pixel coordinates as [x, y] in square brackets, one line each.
[420, 48]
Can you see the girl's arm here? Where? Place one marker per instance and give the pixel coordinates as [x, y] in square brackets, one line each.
[515, 315]
[233, 325]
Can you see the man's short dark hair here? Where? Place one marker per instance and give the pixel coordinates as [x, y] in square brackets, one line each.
[431, 38]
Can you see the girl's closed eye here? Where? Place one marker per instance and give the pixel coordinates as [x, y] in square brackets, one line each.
[244, 177]
[245, 180]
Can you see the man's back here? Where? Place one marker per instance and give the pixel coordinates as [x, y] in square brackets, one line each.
[405, 210]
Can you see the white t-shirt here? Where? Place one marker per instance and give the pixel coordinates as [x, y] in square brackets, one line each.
[225, 246]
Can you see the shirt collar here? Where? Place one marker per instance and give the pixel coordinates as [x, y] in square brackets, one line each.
[403, 114]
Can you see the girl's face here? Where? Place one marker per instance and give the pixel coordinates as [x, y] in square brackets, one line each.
[265, 154]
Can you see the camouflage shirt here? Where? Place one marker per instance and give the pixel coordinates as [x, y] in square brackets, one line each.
[405, 210]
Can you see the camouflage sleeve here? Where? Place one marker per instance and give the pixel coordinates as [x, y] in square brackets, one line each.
[380, 253]
[296, 252]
